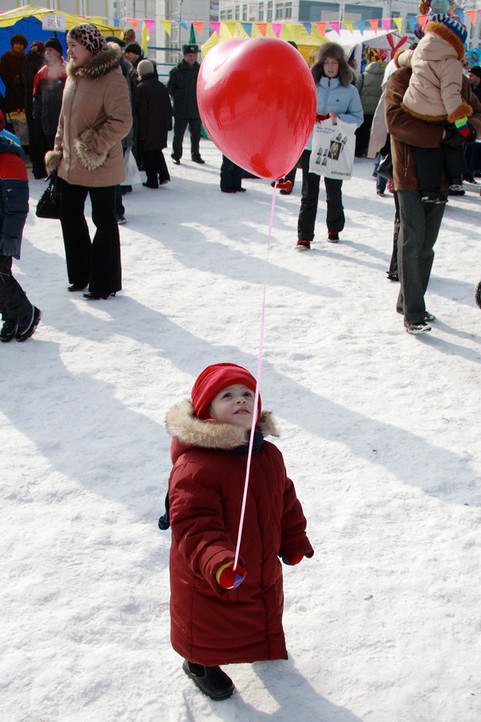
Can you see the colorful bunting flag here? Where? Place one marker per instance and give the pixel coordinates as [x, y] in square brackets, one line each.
[248, 28]
[308, 27]
[422, 20]
[167, 25]
[262, 27]
[149, 24]
[361, 24]
[134, 22]
[374, 24]
[277, 27]
[335, 25]
[198, 25]
[145, 37]
[348, 25]
[322, 28]
[387, 23]
[472, 16]
[398, 23]
[184, 24]
[215, 25]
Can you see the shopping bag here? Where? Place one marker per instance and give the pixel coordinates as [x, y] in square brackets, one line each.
[333, 149]
[48, 205]
[132, 174]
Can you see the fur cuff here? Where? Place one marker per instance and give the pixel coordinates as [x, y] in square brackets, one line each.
[88, 158]
[396, 59]
[52, 160]
[464, 110]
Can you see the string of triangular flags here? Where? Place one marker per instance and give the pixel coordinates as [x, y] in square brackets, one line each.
[375, 24]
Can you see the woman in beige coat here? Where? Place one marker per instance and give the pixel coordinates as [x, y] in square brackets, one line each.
[87, 154]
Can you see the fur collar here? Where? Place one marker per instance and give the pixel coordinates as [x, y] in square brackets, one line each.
[99, 65]
[182, 424]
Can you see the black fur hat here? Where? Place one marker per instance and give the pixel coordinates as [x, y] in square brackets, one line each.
[332, 50]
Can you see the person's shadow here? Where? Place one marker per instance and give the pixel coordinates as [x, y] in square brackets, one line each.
[289, 691]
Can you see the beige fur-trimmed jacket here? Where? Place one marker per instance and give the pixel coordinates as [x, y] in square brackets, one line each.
[434, 91]
[94, 118]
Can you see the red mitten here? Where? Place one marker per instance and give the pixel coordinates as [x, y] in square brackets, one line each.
[293, 560]
[228, 577]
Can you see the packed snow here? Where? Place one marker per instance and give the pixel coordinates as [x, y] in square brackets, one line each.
[379, 431]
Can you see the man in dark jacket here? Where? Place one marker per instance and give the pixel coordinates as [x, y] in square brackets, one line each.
[419, 221]
[20, 317]
[182, 86]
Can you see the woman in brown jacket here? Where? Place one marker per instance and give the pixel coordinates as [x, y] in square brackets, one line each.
[87, 154]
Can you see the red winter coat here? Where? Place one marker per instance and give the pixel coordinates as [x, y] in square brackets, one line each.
[209, 625]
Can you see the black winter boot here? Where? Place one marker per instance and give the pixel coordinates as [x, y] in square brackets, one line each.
[210, 680]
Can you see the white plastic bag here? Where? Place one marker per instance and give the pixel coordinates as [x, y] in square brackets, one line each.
[132, 173]
[333, 149]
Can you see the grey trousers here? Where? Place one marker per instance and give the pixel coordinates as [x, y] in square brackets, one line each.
[418, 231]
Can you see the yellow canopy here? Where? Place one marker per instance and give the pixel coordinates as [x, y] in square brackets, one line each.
[307, 43]
[27, 11]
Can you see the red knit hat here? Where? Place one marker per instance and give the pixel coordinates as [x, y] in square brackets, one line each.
[215, 378]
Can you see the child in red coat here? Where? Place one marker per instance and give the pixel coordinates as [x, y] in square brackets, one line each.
[219, 614]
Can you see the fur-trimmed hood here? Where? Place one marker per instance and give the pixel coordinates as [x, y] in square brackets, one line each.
[190, 431]
[99, 65]
[444, 32]
[332, 50]
[434, 91]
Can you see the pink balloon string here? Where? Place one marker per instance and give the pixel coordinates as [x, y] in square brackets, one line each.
[258, 383]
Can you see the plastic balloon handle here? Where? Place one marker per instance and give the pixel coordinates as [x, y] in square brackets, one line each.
[258, 383]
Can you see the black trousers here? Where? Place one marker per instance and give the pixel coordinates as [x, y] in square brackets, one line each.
[419, 225]
[195, 126]
[14, 304]
[96, 262]
[230, 175]
[395, 236]
[431, 162]
[310, 195]
[155, 166]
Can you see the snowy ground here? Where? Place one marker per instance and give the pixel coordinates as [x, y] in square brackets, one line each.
[380, 432]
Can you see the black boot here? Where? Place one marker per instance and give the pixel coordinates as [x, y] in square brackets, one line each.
[210, 680]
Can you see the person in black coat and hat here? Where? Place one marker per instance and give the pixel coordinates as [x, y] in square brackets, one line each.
[182, 86]
[154, 118]
[11, 67]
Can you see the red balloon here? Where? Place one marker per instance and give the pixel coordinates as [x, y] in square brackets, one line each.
[257, 101]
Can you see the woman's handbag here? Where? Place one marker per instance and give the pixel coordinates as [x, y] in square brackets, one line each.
[385, 168]
[48, 205]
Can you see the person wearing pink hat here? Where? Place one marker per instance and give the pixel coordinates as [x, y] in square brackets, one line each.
[221, 614]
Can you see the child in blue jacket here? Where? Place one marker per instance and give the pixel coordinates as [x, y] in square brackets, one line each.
[20, 317]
